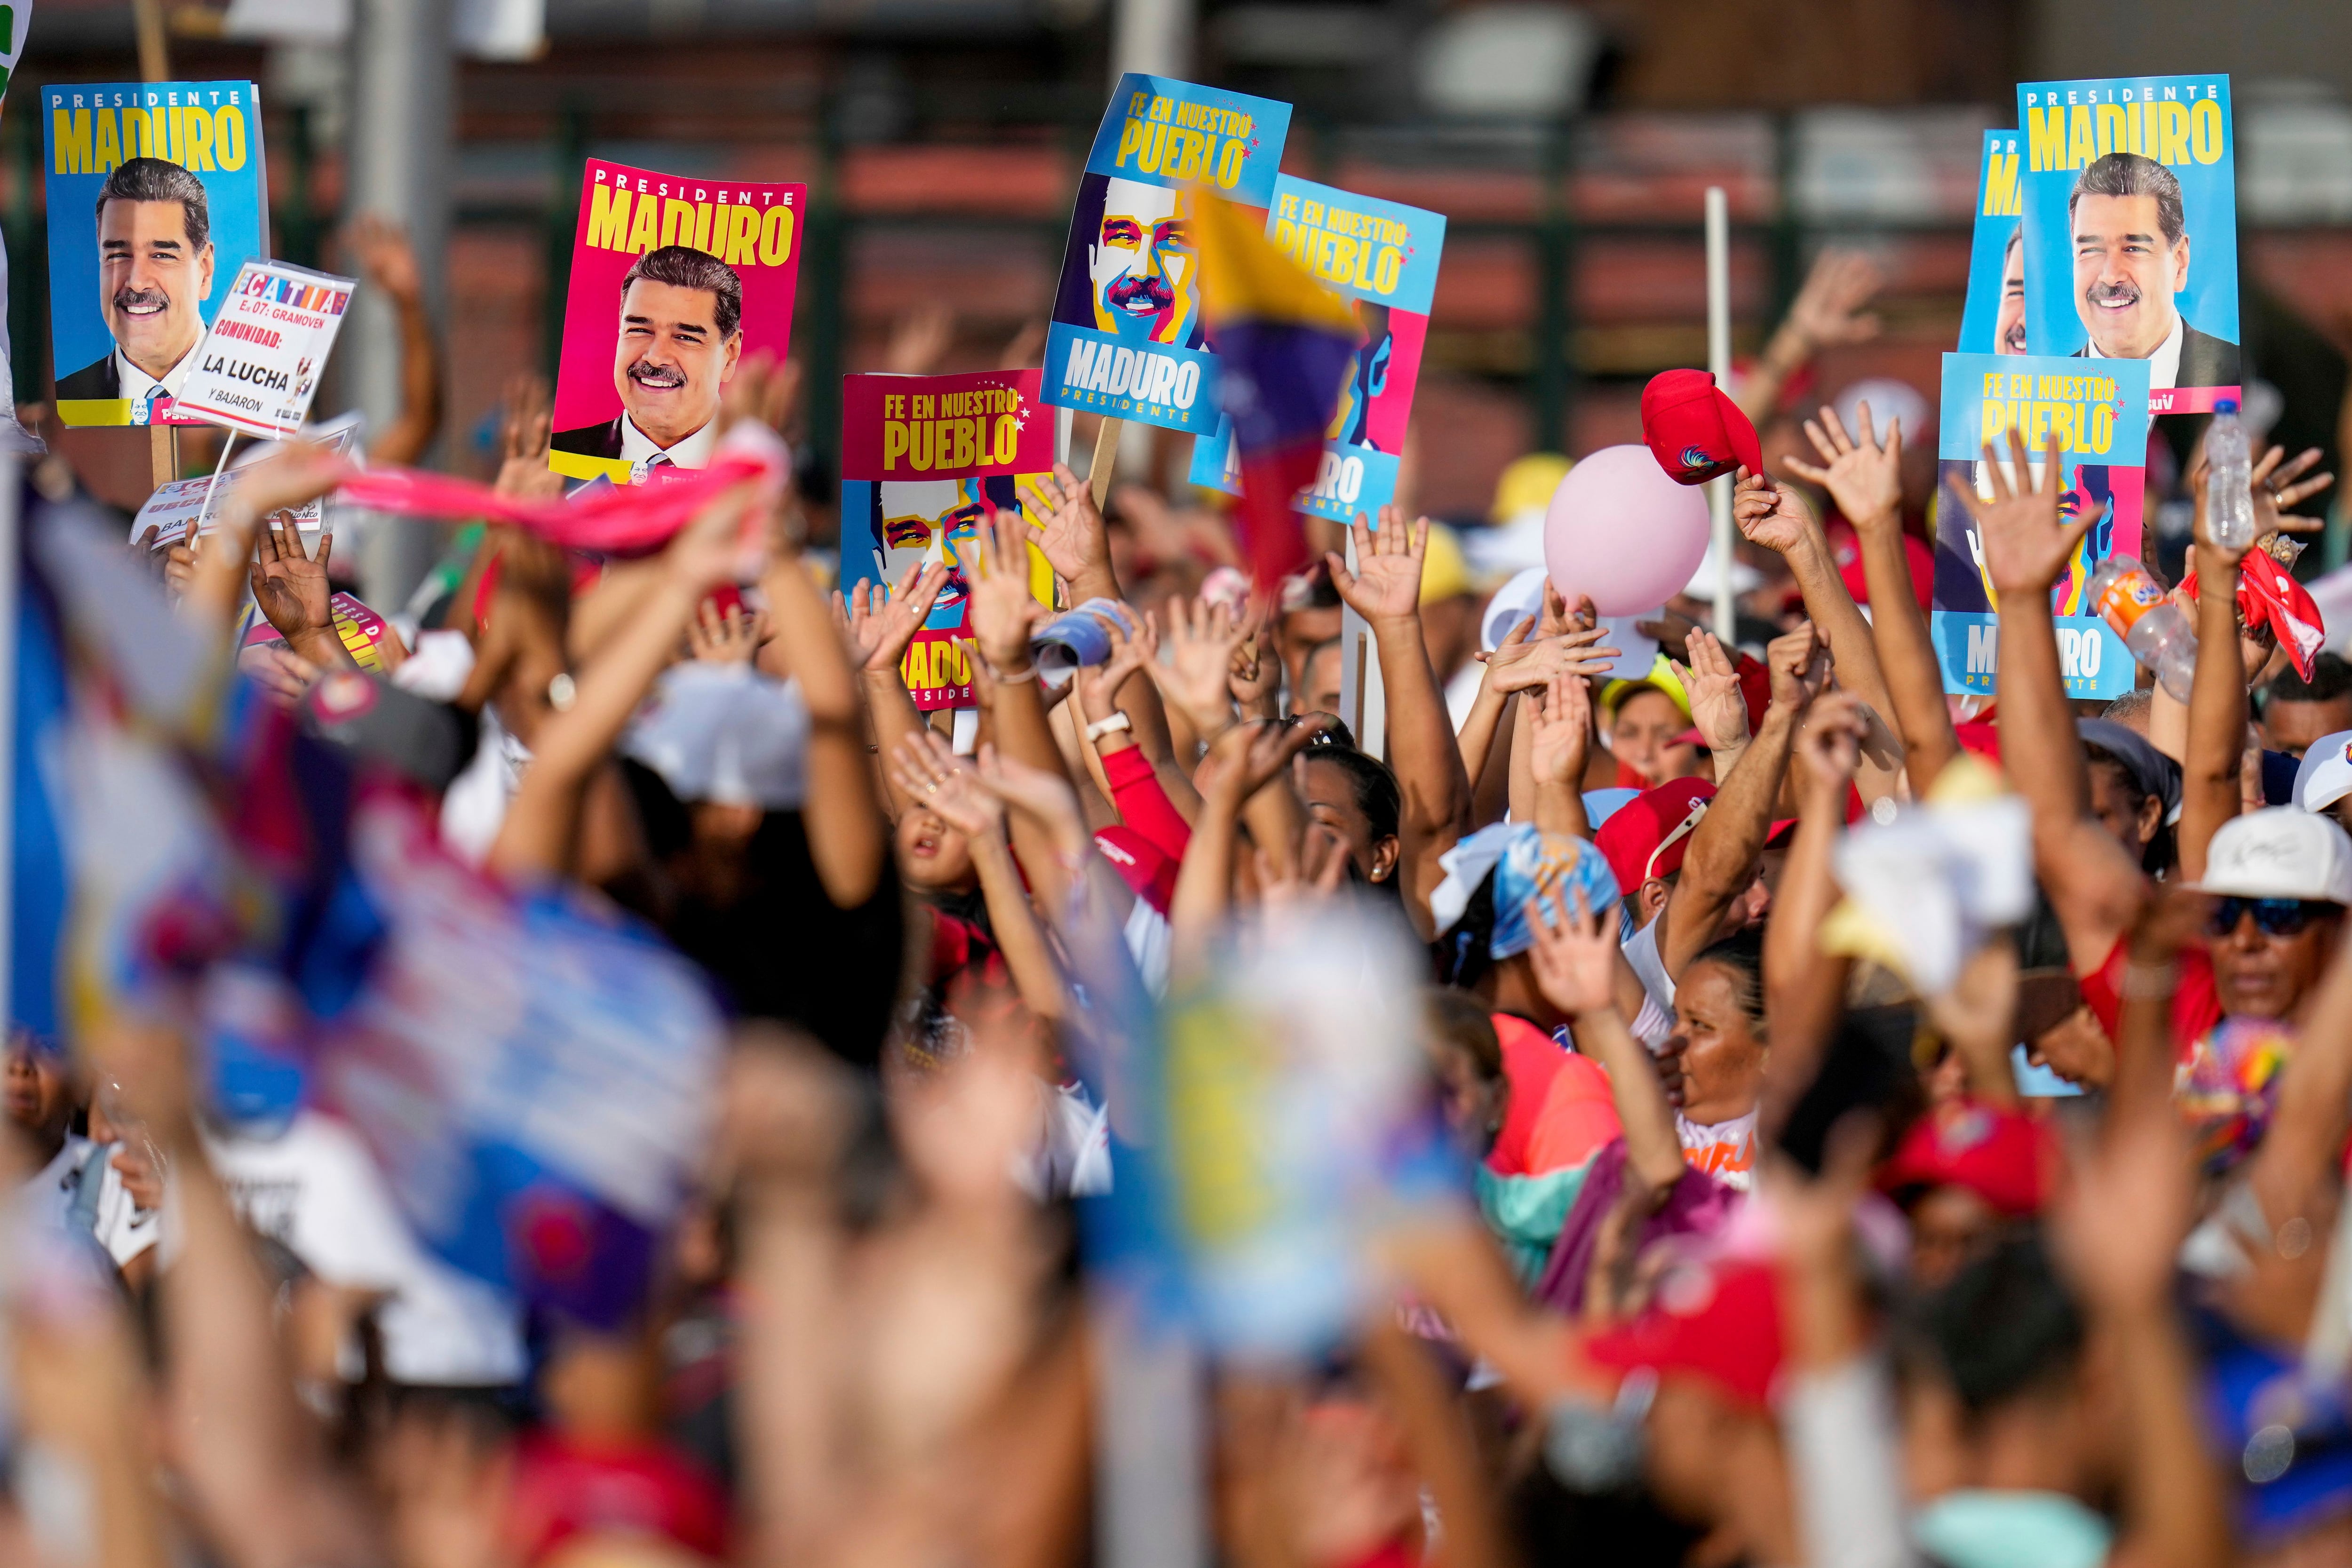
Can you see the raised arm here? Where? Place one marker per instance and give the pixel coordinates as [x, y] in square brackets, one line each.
[1385, 590]
[2095, 888]
[879, 628]
[848, 837]
[1002, 613]
[541, 833]
[1576, 967]
[389, 261]
[1805, 988]
[1865, 477]
[1073, 537]
[1729, 839]
[1559, 734]
[300, 474]
[1828, 311]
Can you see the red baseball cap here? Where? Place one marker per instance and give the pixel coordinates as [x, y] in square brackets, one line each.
[1648, 836]
[1721, 1322]
[1693, 429]
[2005, 1157]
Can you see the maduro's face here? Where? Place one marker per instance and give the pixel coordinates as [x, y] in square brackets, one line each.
[2125, 274]
[1142, 265]
[2008, 326]
[151, 281]
[932, 519]
[669, 362]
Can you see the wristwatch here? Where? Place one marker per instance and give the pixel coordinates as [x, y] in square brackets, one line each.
[1110, 726]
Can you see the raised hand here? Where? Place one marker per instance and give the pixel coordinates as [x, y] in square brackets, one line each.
[1386, 584]
[290, 587]
[1073, 538]
[1711, 681]
[1248, 756]
[2278, 484]
[1045, 797]
[1097, 685]
[2120, 1222]
[1003, 611]
[1828, 310]
[1253, 674]
[878, 628]
[1576, 959]
[1321, 866]
[921, 341]
[278, 670]
[1830, 746]
[1525, 664]
[1767, 514]
[1800, 663]
[1197, 678]
[929, 773]
[523, 436]
[2026, 543]
[731, 638]
[718, 544]
[764, 389]
[1862, 476]
[1561, 732]
[385, 258]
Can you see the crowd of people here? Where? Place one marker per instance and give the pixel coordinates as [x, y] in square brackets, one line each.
[1852, 1126]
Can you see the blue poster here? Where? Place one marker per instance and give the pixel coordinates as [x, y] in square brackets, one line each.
[2093, 414]
[1992, 318]
[2131, 230]
[1384, 256]
[1127, 339]
[156, 196]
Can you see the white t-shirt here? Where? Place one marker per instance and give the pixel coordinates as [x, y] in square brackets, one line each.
[1725, 1151]
[316, 1190]
[117, 1224]
[1658, 1012]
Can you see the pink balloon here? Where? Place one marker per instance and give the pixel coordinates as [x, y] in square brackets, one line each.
[1620, 530]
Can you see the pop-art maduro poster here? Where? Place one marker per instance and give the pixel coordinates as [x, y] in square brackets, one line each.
[673, 282]
[1993, 315]
[1126, 337]
[924, 460]
[2131, 230]
[1383, 255]
[157, 193]
[2092, 415]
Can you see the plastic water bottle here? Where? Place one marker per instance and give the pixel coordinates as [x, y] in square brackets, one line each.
[2133, 604]
[2228, 490]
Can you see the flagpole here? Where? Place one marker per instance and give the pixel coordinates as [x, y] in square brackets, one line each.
[1718, 361]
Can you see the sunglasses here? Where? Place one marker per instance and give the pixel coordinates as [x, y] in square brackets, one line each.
[2272, 917]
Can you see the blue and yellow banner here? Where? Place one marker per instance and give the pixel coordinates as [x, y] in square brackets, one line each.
[1992, 315]
[1384, 256]
[2091, 414]
[2131, 230]
[1128, 338]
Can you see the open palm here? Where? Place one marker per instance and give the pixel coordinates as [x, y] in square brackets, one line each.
[1386, 583]
[1072, 538]
[1862, 475]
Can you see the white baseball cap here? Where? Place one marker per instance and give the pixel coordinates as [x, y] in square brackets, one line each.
[2280, 852]
[2324, 775]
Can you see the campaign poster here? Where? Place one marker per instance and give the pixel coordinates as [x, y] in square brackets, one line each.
[1127, 338]
[924, 460]
[1383, 255]
[673, 282]
[2131, 230]
[2092, 415]
[258, 367]
[157, 194]
[1993, 317]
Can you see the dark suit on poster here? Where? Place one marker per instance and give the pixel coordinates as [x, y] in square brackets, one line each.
[2205, 360]
[590, 440]
[92, 383]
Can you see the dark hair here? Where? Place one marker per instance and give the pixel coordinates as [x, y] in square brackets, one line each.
[158, 180]
[1742, 953]
[1459, 1019]
[2331, 679]
[2016, 238]
[1374, 787]
[2129, 706]
[2161, 850]
[2003, 1324]
[2129, 175]
[683, 267]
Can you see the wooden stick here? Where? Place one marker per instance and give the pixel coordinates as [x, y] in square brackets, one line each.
[154, 51]
[1106, 457]
[163, 453]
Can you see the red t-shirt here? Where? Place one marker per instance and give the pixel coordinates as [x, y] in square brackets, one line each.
[1560, 1117]
[2196, 1000]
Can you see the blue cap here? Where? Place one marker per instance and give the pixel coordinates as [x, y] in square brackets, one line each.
[2225, 406]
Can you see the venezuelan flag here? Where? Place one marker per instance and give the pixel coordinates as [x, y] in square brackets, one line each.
[1283, 344]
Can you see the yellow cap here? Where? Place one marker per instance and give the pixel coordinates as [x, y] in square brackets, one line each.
[1526, 484]
[1444, 575]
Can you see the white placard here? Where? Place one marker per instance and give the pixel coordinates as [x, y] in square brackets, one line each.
[259, 367]
[175, 505]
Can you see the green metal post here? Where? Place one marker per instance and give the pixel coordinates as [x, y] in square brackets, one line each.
[298, 227]
[1554, 371]
[563, 221]
[26, 231]
[825, 311]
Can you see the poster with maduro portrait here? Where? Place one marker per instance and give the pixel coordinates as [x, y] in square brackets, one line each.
[1383, 255]
[673, 282]
[157, 193]
[1127, 338]
[1992, 315]
[2131, 230]
[924, 460]
[2092, 415]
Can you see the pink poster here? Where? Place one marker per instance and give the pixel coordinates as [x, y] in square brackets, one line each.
[674, 281]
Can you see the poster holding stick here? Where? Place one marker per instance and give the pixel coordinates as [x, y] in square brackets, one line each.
[924, 460]
[2131, 230]
[674, 281]
[156, 195]
[257, 368]
[2086, 416]
[1127, 339]
[1382, 256]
